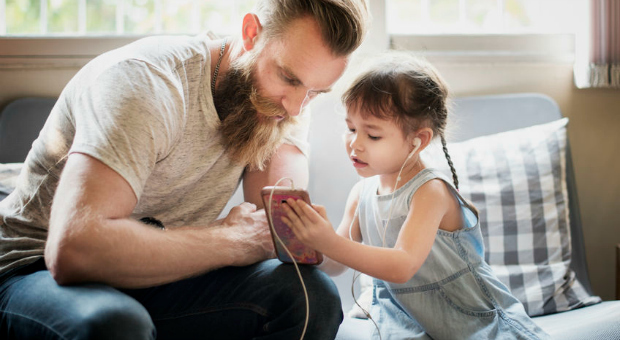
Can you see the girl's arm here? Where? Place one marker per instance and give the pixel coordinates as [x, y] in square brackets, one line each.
[428, 207]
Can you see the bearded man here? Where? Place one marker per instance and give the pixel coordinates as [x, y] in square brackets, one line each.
[149, 134]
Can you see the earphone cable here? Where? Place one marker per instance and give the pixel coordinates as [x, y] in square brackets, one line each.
[279, 240]
[357, 274]
[387, 224]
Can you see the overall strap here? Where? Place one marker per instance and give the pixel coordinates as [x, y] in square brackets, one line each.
[431, 173]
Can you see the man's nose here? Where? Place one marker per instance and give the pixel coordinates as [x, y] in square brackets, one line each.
[295, 101]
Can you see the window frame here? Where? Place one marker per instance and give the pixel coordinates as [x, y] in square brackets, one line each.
[490, 48]
[29, 52]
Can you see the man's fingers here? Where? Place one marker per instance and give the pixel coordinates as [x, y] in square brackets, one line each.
[247, 206]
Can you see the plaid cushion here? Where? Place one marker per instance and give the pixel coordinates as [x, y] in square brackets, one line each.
[517, 181]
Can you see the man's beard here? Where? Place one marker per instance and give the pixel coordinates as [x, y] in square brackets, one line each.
[249, 130]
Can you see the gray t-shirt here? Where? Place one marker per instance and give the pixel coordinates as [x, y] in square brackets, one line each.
[146, 111]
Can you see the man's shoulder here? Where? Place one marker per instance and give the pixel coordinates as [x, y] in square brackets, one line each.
[166, 50]
[163, 52]
[147, 60]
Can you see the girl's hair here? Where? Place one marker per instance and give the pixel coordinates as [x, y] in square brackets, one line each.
[343, 23]
[406, 89]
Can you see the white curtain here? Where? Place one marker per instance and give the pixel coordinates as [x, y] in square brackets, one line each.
[598, 46]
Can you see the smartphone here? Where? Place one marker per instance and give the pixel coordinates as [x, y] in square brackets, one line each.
[301, 253]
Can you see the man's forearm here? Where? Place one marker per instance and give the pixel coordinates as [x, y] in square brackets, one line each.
[91, 237]
[127, 253]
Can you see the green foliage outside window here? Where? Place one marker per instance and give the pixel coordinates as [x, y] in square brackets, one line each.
[22, 16]
[110, 17]
[101, 17]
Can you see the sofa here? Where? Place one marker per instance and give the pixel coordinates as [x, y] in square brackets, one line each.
[550, 277]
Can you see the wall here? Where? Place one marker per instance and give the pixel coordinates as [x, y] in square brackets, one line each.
[593, 133]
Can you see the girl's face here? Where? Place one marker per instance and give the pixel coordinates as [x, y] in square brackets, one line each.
[375, 146]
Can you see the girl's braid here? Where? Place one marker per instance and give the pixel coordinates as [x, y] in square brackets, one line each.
[445, 151]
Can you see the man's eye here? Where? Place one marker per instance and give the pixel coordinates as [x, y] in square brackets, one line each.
[290, 81]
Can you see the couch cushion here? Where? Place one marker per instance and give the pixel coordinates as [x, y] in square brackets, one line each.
[8, 177]
[20, 123]
[517, 179]
[598, 322]
[355, 329]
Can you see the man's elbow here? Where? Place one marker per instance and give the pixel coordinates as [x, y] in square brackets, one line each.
[64, 263]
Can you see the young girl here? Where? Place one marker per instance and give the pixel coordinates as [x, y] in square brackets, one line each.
[421, 240]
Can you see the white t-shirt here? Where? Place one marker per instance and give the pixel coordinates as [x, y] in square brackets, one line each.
[146, 111]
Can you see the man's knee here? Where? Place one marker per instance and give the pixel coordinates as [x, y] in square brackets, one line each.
[323, 293]
[325, 309]
[35, 307]
[114, 321]
[323, 298]
[321, 287]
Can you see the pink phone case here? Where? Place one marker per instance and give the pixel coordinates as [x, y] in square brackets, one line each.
[301, 253]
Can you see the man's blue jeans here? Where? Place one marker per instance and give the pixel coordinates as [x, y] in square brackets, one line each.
[261, 301]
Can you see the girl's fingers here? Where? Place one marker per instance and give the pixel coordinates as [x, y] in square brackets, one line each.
[302, 212]
[306, 213]
[287, 222]
[295, 206]
[291, 225]
[291, 215]
[320, 210]
[294, 210]
[311, 214]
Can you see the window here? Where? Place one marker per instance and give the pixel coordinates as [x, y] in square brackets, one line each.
[119, 17]
[452, 30]
[481, 16]
[131, 17]
[486, 30]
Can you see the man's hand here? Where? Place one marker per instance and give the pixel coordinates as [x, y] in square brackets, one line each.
[254, 239]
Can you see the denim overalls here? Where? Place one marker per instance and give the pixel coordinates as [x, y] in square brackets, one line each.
[454, 295]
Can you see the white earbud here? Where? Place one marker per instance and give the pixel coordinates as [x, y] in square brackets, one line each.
[416, 145]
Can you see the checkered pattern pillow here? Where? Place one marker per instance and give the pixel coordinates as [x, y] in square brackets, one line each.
[517, 179]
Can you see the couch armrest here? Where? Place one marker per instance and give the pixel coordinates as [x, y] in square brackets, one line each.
[618, 271]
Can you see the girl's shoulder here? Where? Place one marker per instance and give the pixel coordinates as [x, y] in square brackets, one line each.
[430, 182]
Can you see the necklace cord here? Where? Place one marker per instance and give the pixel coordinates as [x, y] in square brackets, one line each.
[217, 66]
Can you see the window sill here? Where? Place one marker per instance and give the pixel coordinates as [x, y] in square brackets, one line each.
[25, 53]
[531, 48]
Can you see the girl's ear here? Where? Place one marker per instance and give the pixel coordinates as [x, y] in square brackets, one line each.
[425, 135]
[250, 31]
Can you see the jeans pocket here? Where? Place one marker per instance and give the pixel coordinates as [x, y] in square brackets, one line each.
[466, 296]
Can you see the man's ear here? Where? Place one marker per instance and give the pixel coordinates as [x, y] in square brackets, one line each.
[250, 31]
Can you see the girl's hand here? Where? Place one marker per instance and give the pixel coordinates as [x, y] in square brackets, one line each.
[309, 223]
